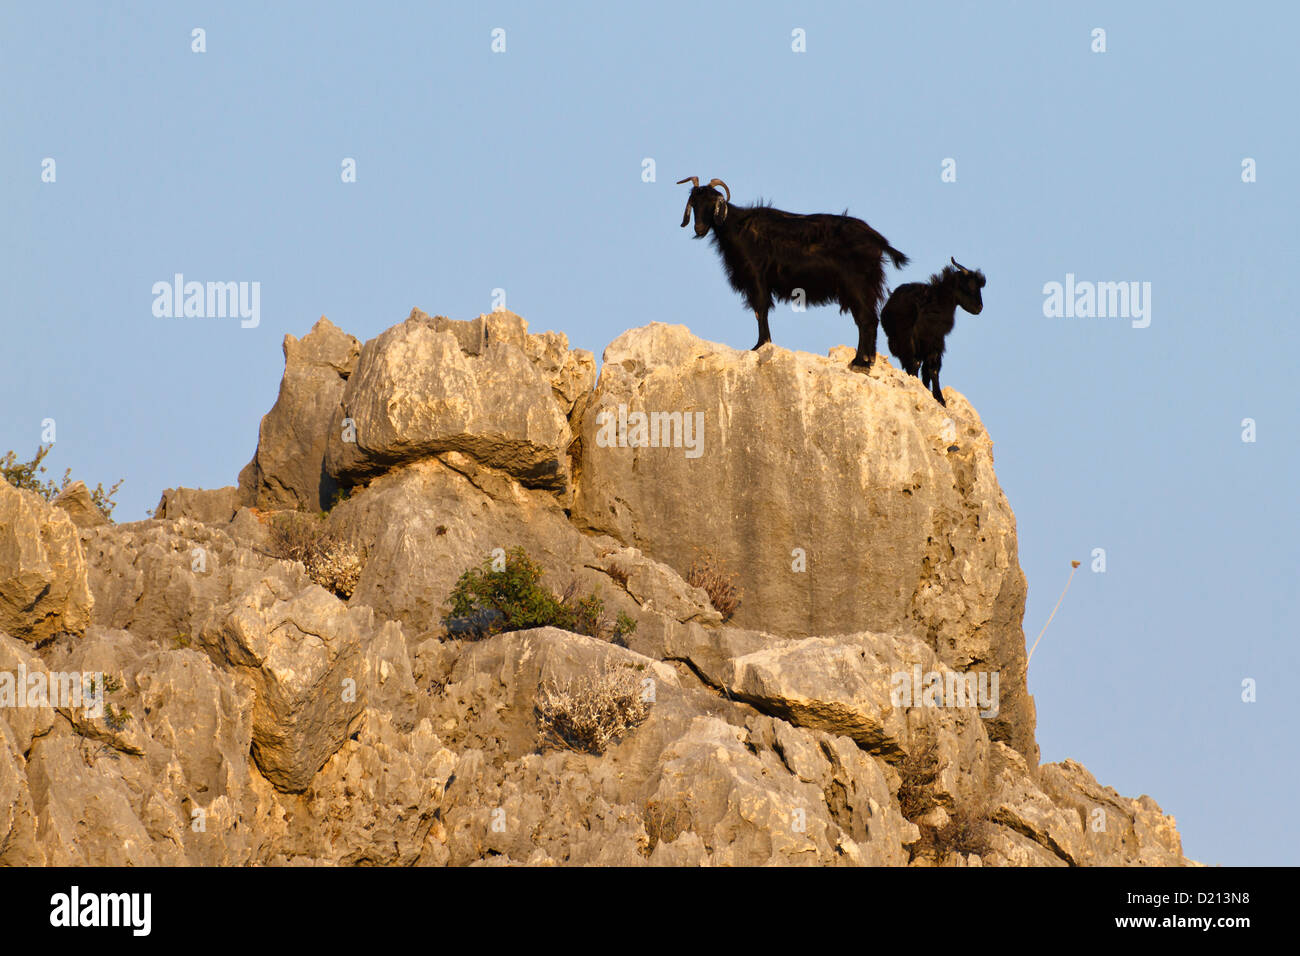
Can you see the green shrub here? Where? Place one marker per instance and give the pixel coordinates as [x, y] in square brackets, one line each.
[486, 601]
[116, 718]
[25, 475]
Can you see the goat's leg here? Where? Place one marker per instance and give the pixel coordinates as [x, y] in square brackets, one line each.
[908, 360]
[866, 322]
[764, 333]
[930, 377]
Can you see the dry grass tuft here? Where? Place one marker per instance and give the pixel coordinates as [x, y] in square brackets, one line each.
[709, 574]
[587, 714]
[331, 561]
[918, 772]
[618, 574]
[968, 829]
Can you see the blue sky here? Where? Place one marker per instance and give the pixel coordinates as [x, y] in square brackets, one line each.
[522, 171]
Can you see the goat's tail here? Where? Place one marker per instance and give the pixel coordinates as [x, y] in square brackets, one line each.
[898, 258]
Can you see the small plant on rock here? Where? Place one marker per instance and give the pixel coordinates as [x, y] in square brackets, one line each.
[618, 574]
[331, 561]
[968, 829]
[115, 718]
[487, 601]
[919, 769]
[708, 574]
[587, 714]
[25, 475]
[590, 618]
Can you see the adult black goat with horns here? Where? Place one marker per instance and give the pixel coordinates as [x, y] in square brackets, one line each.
[818, 258]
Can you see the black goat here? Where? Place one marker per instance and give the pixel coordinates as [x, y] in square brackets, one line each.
[767, 253]
[919, 315]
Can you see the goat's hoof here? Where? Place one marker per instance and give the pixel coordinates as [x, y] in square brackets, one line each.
[860, 367]
[761, 344]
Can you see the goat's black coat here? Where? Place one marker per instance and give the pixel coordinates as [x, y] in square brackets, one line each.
[767, 252]
[919, 315]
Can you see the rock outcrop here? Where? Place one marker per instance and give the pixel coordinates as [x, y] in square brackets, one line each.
[287, 470]
[486, 389]
[43, 589]
[79, 505]
[843, 504]
[865, 705]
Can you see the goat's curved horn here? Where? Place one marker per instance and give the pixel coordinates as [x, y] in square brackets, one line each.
[958, 264]
[695, 183]
[719, 182]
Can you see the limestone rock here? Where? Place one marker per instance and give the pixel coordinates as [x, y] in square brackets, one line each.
[206, 506]
[163, 579]
[19, 845]
[306, 654]
[86, 809]
[1116, 830]
[378, 801]
[76, 500]
[888, 498]
[24, 723]
[426, 523]
[485, 389]
[255, 719]
[287, 469]
[827, 685]
[841, 685]
[170, 751]
[701, 781]
[1021, 806]
[43, 589]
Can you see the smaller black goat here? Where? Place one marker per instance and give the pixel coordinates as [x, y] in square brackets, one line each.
[919, 315]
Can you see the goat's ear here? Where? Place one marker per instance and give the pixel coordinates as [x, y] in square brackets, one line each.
[686, 216]
[719, 209]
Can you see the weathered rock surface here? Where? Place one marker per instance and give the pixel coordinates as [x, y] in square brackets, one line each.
[287, 469]
[425, 523]
[161, 580]
[77, 501]
[842, 502]
[486, 389]
[252, 717]
[1117, 831]
[304, 654]
[43, 589]
[216, 506]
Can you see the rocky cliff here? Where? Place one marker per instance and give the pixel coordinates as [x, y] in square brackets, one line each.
[254, 716]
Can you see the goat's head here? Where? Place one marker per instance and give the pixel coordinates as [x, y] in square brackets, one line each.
[969, 284]
[709, 205]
